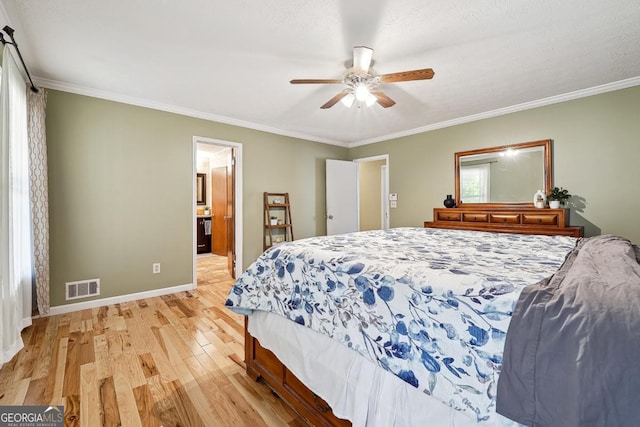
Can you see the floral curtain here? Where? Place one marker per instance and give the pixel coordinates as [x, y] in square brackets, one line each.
[39, 196]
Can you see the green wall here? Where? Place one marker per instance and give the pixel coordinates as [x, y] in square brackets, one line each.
[596, 152]
[120, 180]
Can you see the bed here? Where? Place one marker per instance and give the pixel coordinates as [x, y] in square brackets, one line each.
[406, 326]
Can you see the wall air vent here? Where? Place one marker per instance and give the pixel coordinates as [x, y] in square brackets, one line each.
[82, 289]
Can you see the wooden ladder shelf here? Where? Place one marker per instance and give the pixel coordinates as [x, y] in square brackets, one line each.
[278, 227]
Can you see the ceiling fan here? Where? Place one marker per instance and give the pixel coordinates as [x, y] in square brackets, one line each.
[363, 83]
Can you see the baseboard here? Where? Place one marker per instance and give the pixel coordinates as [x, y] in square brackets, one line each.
[67, 308]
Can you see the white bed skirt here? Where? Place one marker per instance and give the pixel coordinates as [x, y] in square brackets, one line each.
[355, 388]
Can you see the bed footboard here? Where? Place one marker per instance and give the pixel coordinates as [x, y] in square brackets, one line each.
[262, 363]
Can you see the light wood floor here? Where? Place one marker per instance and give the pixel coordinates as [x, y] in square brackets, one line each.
[175, 360]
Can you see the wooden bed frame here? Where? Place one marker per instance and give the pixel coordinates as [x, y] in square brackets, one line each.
[262, 363]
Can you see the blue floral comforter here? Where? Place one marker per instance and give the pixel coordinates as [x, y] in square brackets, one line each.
[432, 306]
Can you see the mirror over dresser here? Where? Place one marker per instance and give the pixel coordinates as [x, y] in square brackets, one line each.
[494, 191]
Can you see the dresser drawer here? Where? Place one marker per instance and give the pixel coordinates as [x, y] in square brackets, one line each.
[542, 219]
[448, 216]
[524, 220]
[475, 217]
[505, 218]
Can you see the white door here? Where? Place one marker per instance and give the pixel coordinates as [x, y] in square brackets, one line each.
[342, 197]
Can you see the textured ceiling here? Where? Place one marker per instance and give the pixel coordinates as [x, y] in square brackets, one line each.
[231, 61]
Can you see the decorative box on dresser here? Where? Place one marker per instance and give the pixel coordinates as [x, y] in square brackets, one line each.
[524, 220]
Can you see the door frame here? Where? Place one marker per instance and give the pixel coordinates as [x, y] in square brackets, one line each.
[237, 208]
[384, 196]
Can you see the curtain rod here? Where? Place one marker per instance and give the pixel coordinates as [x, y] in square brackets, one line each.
[7, 29]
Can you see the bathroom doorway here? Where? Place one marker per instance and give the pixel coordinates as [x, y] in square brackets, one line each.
[217, 221]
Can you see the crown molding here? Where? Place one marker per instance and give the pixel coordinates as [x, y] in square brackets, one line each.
[140, 102]
[583, 93]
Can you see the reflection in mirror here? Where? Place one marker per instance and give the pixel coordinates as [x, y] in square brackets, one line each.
[503, 175]
[201, 188]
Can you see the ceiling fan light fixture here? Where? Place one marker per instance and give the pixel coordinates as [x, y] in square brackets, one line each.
[362, 92]
[371, 99]
[348, 100]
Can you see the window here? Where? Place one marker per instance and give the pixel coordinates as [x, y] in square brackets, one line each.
[475, 180]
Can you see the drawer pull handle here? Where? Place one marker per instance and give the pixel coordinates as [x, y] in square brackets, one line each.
[539, 219]
[320, 406]
[504, 219]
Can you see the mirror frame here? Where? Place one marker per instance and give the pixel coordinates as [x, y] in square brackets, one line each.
[545, 143]
[201, 180]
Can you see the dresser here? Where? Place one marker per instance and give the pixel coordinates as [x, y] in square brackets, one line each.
[521, 220]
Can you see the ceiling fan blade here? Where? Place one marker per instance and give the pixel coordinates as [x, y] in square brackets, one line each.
[383, 99]
[333, 101]
[314, 81]
[404, 76]
[362, 59]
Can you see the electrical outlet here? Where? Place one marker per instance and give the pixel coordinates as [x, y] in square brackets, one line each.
[156, 268]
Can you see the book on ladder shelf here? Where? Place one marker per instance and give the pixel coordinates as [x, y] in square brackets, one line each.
[278, 227]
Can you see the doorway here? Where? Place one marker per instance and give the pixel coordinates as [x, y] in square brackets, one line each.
[221, 212]
[357, 194]
[373, 194]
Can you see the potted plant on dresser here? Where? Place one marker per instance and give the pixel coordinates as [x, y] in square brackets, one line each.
[558, 196]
